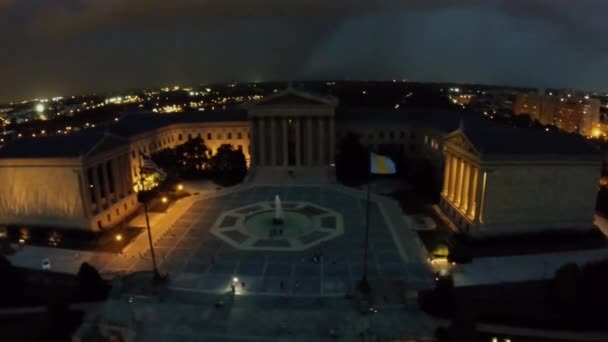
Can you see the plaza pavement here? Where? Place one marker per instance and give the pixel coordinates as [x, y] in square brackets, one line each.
[200, 262]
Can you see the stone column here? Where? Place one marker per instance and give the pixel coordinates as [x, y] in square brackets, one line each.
[446, 175]
[453, 176]
[262, 141]
[106, 183]
[332, 141]
[457, 181]
[322, 145]
[85, 192]
[96, 189]
[116, 181]
[464, 192]
[298, 142]
[472, 192]
[309, 143]
[273, 142]
[480, 195]
[128, 175]
[285, 142]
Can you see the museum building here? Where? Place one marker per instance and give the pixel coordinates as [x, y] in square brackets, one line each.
[495, 179]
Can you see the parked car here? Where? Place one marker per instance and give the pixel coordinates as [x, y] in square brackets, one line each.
[46, 264]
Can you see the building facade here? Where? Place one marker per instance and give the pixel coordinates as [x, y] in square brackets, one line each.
[494, 179]
[572, 113]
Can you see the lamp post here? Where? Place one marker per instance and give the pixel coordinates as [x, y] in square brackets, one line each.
[144, 197]
[363, 285]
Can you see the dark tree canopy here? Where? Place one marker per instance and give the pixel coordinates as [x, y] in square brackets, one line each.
[193, 155]
[352, 160]
[228, 165]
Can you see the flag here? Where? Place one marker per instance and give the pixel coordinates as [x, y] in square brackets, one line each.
[381, 165]
[147, 163]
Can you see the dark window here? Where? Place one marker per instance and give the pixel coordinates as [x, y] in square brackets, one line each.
[125, 206]
[99, 224]
[109, 218]
[189, 136]
[199, 136]
[402, 134]
[391, 134]
[381, 135]
[117, 212]
[179, 137]
[239, 135]
[133, 154]
[229, 136]
[208, 136]
[240, 147]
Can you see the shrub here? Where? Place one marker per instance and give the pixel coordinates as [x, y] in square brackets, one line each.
[12, 280]
[92, 286]
[565, 286]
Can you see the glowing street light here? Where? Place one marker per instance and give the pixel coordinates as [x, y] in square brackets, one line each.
[118, 237]
[40, 108]
[180, 187]
[164, 199]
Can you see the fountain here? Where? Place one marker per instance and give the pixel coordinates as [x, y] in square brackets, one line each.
[278, 211]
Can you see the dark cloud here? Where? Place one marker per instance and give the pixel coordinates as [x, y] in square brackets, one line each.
[80, 45]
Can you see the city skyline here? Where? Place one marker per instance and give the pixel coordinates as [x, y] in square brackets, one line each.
[87, 46]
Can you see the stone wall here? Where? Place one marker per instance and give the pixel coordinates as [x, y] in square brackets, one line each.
[540, 196]
[41, 195]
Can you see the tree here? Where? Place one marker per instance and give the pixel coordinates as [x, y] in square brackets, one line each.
[91, 285]
[193, 157]
[168, 160]
[352, 160]
[12, 280]
[228, 165]
[523, 120]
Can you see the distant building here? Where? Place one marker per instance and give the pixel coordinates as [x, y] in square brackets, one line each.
[570, 112]
[496, 179]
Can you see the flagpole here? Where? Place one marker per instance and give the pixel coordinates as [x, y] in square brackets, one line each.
[363, 283]
[157, 276]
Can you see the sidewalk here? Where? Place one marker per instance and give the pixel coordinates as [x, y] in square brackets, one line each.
[494, 270]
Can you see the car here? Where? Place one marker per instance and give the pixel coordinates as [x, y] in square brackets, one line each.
[46, 264]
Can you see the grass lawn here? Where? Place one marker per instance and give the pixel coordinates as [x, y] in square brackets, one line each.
[42, 326]
[524, 304]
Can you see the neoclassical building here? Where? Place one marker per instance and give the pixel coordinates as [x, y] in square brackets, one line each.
[495, 179]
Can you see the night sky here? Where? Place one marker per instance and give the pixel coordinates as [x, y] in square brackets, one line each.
[60, 47]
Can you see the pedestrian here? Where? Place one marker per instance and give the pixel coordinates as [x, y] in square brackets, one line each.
[242, 284]
[232, 287]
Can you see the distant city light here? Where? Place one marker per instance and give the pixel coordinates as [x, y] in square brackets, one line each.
[40, 108]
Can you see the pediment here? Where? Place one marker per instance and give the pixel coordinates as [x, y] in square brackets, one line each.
[460, 140]
[293, 97]
[107, 143]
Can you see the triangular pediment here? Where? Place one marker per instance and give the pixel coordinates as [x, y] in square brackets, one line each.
[107, 143]
[459, 139]
[295, 97]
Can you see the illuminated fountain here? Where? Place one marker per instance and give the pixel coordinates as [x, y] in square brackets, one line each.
[278, 211]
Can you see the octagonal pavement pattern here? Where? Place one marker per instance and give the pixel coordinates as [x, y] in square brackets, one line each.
[199, 261]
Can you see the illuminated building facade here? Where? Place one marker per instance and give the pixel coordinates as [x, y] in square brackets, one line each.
[571, 113]
[494, 179]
